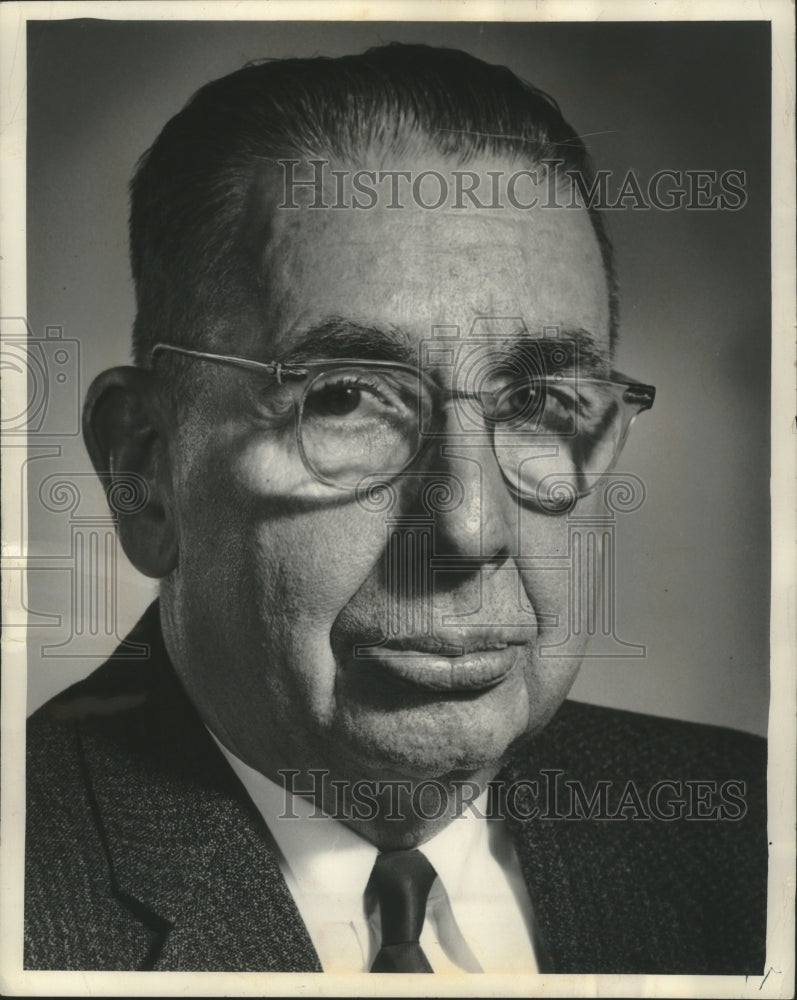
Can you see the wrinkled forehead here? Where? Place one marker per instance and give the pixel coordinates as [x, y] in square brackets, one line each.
[397, 277]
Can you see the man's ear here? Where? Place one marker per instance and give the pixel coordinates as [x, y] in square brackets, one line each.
[125, 436]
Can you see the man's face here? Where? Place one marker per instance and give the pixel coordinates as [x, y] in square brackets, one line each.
[281, 577]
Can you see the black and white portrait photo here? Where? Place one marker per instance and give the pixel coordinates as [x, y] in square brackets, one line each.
[398, 499]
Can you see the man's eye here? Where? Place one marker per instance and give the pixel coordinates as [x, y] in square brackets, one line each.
[523, 401]
[360, 397]
[334, 400]
[520, 400]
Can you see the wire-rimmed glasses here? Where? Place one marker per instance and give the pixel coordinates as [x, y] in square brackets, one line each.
[360, 420]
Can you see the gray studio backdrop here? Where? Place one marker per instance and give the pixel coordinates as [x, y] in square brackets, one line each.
[692, 561]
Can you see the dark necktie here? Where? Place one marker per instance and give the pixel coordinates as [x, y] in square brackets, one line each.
[401, 881]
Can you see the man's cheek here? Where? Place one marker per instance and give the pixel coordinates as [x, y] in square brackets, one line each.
[544, 566]
[547, 593]
[312, 566]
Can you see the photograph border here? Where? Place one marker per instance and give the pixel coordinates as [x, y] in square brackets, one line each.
[778, 980]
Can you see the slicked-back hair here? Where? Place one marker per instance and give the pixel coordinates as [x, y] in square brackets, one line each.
[191, 190]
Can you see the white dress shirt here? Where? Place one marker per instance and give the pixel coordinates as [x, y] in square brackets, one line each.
[478, 915]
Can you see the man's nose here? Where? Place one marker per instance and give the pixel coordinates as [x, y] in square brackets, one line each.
[467, 495]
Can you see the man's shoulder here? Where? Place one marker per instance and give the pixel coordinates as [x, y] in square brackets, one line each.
[127, 727]
[712, 771]
[128, 707]
[69, 886]
[606, 737]
[646, 766]
[130, 810]
[121, 683]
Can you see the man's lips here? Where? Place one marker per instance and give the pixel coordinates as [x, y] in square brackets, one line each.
[460, 642]
[473, 663]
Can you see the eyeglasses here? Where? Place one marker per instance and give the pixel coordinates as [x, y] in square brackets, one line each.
[360, 421]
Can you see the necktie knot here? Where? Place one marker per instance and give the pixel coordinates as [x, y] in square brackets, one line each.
[401, 881]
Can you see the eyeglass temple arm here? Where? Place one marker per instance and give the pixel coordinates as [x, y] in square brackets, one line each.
[279, 370]
[636, 391]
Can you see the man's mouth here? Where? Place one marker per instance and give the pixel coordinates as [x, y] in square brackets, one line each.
[460, 662]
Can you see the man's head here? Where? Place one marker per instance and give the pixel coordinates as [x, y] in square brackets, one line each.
[314, 626]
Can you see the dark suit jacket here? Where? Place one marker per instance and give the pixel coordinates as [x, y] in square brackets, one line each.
[144, 852]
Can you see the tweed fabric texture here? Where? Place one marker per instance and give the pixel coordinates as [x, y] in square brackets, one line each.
[143, 850]
[645, 895]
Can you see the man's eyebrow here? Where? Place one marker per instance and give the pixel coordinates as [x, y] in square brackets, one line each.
[579, 345]
[336, 337]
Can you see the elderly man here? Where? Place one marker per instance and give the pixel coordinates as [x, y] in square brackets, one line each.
[373, 389]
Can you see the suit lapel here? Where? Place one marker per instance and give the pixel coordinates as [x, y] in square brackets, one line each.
[543, 861]
[188, 852]
[239, 913]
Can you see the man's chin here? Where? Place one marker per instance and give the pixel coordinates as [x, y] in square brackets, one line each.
[426, 734]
